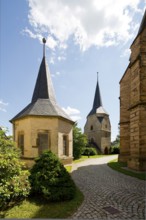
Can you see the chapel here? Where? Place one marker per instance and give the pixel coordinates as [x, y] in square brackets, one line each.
[42, 124]
[98, 127]
[133, 104]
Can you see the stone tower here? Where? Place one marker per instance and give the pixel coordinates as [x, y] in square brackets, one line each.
[97, 127]
[133, 104]
[43, 125]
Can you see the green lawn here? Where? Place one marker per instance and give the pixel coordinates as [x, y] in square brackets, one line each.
[86, 157]
[118, 166]
[39, 208]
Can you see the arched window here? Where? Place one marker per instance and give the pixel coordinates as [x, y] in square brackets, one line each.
[65, 145]
[91, 128]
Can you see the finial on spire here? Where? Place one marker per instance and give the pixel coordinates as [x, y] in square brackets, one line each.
[44, 41]
[97, 75]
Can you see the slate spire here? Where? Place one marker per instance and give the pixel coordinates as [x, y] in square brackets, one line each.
[143, 23]
[44, 87]
[97, 99]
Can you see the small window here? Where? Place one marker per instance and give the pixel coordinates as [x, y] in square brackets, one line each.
[91, 128]
[65, 145]
[21, 142]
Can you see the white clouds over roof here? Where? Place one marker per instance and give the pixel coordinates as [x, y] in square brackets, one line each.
[90, 22]
[73, 113]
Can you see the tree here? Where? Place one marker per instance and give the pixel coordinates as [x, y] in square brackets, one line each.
[115, 145]
[50, 179]
[14, 183]
[79, 142]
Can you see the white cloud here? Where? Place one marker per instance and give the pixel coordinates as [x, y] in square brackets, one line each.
[61, 58]
[90, 23]
[3, 105]
[52, 60]
[73, 113]
[126, 53]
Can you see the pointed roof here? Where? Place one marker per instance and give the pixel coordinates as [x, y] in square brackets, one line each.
[143, 23]
[142, 26]
[44, 87]
[97, 104]
[43, 101]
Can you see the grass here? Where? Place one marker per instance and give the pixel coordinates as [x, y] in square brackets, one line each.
[86, 157]
[68, 168]
[39, 208]
[119, 166]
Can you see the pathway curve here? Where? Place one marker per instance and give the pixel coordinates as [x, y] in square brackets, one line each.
[108, 194]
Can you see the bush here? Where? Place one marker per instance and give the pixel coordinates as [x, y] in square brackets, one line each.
[50, 179]
[115, 149]
[89, 151]
[14, 184]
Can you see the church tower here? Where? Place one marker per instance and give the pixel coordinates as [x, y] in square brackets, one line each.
[133, 104]
[97, 127]
[43, 125]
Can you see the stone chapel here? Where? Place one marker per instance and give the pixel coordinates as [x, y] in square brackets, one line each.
[133, 104]
[42, 124]
[97, 127]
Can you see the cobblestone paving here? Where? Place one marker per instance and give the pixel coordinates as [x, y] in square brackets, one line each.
[107, 193]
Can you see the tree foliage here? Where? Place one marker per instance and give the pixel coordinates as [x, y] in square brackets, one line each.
[89, 151]
[50, 179]
[14, 184]
[79, 142]
[115, 146]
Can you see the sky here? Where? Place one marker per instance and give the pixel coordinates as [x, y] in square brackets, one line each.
[83, 37]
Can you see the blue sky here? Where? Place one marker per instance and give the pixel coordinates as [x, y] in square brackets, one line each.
[83, 38]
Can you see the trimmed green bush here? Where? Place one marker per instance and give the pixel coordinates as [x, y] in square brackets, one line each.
[14, 184]
[50, 179]
[88, 151]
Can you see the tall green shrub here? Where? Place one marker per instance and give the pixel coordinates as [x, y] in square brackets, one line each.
[50, 179]
[14, 184]
[79, 142]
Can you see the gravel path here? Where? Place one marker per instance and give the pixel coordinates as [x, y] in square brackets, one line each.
[107, 193]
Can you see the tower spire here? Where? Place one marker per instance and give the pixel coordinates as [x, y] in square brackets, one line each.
[44, 87]
[97, 98]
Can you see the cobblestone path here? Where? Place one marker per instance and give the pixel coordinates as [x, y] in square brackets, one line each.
[107, 193]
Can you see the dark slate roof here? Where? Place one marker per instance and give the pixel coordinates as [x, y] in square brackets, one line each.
[42, 107]
[97, 104]
[142, 26]
[44, 87]
[43, 101]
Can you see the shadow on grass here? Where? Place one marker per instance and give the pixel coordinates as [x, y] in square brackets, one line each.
[122, 168]
[37, 207]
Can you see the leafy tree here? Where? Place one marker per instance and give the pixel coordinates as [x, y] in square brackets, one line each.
[115, 146]
[14, 184]
[79, 142]
[50, 179]
[89, 151]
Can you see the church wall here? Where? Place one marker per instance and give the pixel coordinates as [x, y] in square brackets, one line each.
[125, 117]
[31, 126]
[136, 130]
[93, 129]
[65, 129]
[23, 126]
[135, 48]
